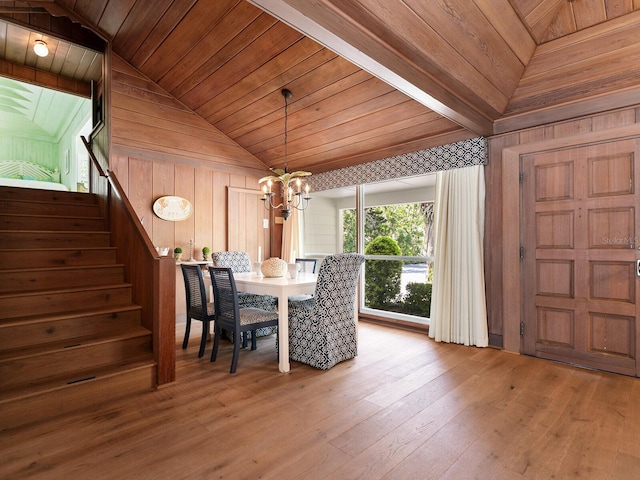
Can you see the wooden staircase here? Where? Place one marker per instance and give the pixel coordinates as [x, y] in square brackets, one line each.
[70, 336]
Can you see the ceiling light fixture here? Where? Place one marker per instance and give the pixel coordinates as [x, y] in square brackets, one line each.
[293, 196]
[40, 48]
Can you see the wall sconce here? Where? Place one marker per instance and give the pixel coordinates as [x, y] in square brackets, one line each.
[40, 48]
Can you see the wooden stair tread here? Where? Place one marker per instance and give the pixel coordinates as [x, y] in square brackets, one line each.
[60, 203]
[65, 290]
[63, 267]
[32, 279]
[19, 238]
[57, 232]
[43, 195]
[48, 215]
[77, 342]
[58, 382]
[56, 249]
[47, 317]
[56, 256]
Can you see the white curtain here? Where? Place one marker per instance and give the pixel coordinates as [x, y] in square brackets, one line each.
[291, 237]
[458, 306]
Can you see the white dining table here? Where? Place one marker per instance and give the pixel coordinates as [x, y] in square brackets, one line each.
[283, 288]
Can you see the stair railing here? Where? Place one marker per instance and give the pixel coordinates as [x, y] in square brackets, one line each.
[152, 277]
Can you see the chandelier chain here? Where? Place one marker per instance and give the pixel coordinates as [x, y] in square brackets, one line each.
[286, 118]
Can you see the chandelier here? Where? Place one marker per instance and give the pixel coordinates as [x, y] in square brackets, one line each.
[294, 194]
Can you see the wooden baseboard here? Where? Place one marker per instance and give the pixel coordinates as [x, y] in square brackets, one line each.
[389, 322]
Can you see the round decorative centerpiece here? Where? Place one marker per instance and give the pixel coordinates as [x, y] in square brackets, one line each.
[274, 267]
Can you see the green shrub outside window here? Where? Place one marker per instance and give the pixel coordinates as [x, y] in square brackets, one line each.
[382, 277]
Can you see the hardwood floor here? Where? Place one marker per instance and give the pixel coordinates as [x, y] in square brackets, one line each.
[405, 408]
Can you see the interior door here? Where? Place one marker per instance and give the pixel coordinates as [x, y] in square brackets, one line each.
[248, 223]
[580, 246]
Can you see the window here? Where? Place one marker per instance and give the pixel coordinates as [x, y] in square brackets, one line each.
[397, 221]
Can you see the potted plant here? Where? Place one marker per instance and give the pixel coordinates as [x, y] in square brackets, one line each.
[177, 253]
[205, 253]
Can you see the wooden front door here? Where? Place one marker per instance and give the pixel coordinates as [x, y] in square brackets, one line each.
[580, 245]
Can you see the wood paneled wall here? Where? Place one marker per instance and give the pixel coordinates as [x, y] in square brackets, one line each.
[159, 147]
[145, 180]
[502, 229]
[36, 151]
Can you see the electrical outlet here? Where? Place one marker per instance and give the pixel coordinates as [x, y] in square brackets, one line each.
[265, 223]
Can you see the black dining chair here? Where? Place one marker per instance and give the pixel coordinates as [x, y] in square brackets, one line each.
[240, 262]
[232, 318]
[197, 306]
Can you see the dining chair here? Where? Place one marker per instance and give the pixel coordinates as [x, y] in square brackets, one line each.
[197, 306]
[240, 262]
[322, 329]
[235, 260]
[307, 264]
[230, 317]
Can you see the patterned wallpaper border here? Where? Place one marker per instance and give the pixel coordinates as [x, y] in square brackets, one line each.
[445, 157]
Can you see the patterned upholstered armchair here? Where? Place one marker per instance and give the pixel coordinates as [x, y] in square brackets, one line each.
[322, 330]
[240, 262]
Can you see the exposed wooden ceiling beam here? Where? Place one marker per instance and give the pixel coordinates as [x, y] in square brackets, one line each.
[44, 79]
[16, 10]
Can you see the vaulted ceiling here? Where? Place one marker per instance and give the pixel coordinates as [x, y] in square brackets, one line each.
[370, 78]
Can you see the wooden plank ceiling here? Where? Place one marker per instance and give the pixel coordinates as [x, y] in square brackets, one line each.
[379, 78]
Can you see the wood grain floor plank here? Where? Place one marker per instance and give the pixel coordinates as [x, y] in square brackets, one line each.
[443, 449]
[368, 432]
[425, 428]
[630, 435]
[405, 408]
